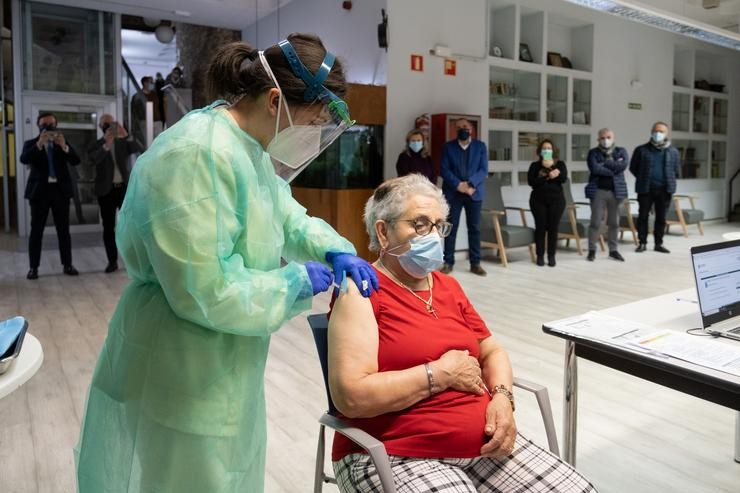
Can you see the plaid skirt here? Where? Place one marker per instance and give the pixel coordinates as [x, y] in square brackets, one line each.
[529, 468]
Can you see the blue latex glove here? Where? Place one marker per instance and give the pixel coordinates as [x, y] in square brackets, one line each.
[361, 272]
[320, 276]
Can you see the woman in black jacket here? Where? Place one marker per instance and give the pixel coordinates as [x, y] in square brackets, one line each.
[547, 202]
[415, 157]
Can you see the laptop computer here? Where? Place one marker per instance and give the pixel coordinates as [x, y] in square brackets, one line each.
[717, 276]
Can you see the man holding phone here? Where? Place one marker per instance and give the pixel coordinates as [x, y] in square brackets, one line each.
[110, 156]
[49, 187]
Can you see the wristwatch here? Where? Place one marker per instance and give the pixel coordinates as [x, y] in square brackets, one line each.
[500, 389]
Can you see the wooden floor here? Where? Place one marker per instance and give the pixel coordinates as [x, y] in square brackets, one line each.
[633, 436]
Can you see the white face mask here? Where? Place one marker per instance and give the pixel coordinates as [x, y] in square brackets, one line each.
[606, 143]
[294, 147]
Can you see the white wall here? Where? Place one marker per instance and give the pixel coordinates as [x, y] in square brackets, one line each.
[623, 51]
[349, 34]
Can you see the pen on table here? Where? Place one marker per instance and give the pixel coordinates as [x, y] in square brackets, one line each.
[686, 300]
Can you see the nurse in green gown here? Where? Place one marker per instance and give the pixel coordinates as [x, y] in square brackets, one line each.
[220, 256]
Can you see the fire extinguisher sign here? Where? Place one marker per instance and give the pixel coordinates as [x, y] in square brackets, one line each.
[450, 67]
[417, 63]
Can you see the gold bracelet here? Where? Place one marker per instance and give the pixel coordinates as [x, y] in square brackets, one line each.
[430, 378]
[500, 389]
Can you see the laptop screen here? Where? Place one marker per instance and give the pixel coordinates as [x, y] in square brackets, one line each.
[717, 276]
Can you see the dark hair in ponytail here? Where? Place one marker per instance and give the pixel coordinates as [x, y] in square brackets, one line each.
[236, 71]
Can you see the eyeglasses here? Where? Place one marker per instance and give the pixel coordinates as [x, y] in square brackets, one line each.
[423, 226]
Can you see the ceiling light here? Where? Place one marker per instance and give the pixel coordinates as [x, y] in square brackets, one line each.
[665, 21]
[164, 34]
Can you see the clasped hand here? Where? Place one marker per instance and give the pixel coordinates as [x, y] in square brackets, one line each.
[466, 188]
[460, 371]
[500, 426]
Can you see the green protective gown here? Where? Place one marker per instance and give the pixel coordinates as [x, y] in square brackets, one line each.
[177, 398]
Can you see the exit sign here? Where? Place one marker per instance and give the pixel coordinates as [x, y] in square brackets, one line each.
[634, 106]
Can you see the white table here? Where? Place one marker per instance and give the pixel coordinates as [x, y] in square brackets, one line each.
[24, 367]
[677, 311]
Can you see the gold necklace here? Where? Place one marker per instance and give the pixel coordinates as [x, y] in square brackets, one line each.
[428, 303]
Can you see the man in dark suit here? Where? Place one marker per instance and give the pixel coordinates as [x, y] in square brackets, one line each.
[464, 170]
[49, 187]
[110, 155]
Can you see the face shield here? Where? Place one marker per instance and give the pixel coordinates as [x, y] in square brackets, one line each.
[325, 115]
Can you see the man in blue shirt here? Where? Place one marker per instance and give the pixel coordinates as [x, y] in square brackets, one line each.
[655, 166]
[464, 170]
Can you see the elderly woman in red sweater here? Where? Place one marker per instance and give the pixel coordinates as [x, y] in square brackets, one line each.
[413, 365]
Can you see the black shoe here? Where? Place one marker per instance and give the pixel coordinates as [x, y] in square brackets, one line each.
[477, 270]
[111, 267]
[446, 269]
[641, 248]
[32, 274]
[551, 260]
[540, 260]
[616, 256]
[661, 249]
[591, 255]
[70, 270]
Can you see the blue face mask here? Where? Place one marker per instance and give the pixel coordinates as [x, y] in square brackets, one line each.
[416, 145]
[658, 137]
[463, 134]
[425, 255]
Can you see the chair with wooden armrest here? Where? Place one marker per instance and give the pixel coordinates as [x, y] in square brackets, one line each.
[684, 216]
[495, 231]
[573, 228]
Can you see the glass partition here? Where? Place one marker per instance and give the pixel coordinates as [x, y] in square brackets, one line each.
[67, 49]
[581, 102]
[719, 158]
[701, 114]
[681, 112]
[499, 145]
[719, 116]
[514, 95]
[693, 157]
[557, 99]
[580, 145]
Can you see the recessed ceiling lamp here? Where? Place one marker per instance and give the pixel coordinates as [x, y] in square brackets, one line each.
[664, 20]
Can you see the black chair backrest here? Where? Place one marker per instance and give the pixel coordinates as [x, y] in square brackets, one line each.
[493, 199]
[319, 327]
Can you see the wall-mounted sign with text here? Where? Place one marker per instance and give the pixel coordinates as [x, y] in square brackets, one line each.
[634, 106]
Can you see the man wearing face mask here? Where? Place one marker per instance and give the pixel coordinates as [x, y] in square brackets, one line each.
[148, 93]
[464, 170]
[49, 187]
[220, 256]
[656, 166]
[110, 156]
[606, 189]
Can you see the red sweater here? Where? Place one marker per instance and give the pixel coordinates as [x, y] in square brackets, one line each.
[447, 424]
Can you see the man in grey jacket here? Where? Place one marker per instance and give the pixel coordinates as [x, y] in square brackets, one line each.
[110, 155]
[606, 189]
[655, 166]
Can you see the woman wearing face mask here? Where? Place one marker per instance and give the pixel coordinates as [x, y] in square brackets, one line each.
[547, 202]
[415, 157]
[413, 363]
[220, 256]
